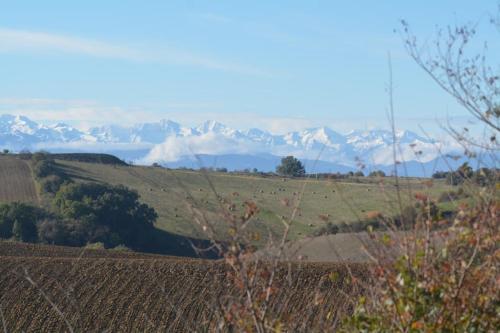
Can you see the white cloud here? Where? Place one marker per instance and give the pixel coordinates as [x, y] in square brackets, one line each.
[12, 40]
[21, 40]
[210, 143]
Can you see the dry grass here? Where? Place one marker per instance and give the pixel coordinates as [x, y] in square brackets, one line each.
[166, 191]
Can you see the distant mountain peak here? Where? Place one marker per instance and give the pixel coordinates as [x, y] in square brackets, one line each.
[371, 146]
[211, 126]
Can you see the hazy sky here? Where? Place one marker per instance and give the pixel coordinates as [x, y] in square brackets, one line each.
[272, 64]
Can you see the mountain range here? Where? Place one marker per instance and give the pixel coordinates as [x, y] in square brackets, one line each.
[215, 144]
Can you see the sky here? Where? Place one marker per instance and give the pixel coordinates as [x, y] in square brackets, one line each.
[276, 65]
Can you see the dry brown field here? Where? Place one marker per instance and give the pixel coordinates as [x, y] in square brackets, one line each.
[53, 289]
[16, 181]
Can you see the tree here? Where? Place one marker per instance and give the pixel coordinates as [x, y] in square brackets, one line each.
[25, 230]
[290, 166]
[377, 173]
[6, 221]
[19, 220]
[109, 214]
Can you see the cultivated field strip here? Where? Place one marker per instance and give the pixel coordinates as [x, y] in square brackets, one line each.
[141, 294]
[16, 181]
[18, 249]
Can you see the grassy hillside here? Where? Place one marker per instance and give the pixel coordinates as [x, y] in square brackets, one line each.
[16, 180]
[171, 192]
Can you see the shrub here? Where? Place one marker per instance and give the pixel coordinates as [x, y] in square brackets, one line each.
[95, 246]
[440, 174]
[377, 173]
[62, 232]
[52, 183]
[328, 229]
[48, 172]
[452, 195]
[444, 282]
[120, 247]
[44, 168]
[407, 218]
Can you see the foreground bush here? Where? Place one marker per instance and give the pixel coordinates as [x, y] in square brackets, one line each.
[446, 281]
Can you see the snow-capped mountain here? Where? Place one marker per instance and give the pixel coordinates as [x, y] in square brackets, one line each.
[169, 142]
[18, 132]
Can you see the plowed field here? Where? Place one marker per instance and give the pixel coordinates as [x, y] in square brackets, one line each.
[135, 292]
[16, 181]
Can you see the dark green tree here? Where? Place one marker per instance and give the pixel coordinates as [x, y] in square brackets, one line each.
[109, 214]
[377, 173]
[25, 230]
[290, 166]
[19, 220]
[6, 222]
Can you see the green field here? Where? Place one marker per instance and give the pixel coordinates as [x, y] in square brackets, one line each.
[172, 192]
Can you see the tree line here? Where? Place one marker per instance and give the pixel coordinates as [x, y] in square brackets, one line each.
[482, 176]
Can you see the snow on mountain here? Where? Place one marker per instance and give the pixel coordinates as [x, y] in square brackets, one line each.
[19, 132]
[168, 141]
[212, 126]
[110, 134]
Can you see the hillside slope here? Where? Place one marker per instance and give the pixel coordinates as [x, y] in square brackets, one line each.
[172, 192]
[16, 181]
